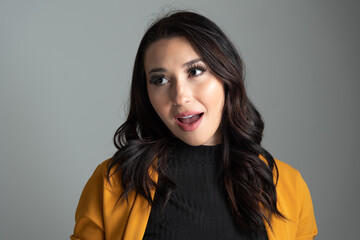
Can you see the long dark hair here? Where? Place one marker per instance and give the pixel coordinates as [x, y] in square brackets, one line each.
[144, 142]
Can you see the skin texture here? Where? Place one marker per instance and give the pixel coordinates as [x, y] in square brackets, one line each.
[176, 85]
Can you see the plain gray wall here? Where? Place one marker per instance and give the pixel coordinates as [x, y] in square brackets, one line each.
[65, 69]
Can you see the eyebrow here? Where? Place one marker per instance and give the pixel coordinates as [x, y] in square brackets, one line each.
[191, 62]
[184, 65]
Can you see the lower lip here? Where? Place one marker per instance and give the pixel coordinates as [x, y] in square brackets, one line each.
[190, 126]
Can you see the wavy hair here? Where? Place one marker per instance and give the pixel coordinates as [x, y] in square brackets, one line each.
[144, 142]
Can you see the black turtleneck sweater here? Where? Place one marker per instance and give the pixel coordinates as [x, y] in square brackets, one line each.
[197, 208]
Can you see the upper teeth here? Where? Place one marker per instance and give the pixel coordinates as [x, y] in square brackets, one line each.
[189, 116]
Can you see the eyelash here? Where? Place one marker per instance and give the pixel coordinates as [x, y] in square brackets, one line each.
[197, 66]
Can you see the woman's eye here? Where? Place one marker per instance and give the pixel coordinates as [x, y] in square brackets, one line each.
[195, 72]
[158, 80]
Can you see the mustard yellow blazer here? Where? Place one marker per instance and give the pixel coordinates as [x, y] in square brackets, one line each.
[97, 217]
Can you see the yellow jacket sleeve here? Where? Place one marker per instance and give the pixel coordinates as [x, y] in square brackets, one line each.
[89, 214]
[306, 227]
[294, 202]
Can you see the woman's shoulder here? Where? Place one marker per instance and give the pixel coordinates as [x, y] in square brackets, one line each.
[111, 178]
[288, 179]
[102, 167]
[99, 186]
[285, 167]
[102, 170]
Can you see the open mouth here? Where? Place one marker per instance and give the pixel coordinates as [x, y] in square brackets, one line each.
[190, 119]
[189, 122]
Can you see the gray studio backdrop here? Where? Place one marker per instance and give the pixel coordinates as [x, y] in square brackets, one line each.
[65, 68]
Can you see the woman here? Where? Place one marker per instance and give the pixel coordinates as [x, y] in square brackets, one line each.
[189, 163]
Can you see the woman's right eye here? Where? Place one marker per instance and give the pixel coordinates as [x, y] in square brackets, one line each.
[158, 80]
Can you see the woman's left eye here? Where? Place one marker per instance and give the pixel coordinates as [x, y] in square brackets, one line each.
[196, 71]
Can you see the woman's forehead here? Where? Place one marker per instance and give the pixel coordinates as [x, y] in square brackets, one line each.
[169, 53]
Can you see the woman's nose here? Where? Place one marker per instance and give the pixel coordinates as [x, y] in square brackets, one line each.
[180, 92]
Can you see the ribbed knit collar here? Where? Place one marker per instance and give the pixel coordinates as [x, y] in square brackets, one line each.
[197, 153]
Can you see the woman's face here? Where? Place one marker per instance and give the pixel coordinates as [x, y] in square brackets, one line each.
[184, 92]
